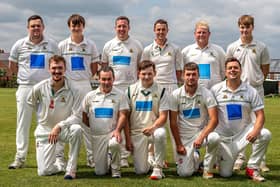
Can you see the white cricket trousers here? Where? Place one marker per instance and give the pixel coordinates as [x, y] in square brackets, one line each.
[46, 152]
[140, 150]
[24, 117]
[124, 152]
[84, 87]
[106, 147]
[186, 163]
[231, 146]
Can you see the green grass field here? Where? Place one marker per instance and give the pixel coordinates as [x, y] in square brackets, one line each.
[28, 175]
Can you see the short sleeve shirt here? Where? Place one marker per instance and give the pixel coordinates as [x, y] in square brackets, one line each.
[167, 60]
[78, 58]
[192, 110]
[123, 57]
[145, 105]
[251, 57]
[211, 62]
[32, 59]
[102, 109]
[235, 107]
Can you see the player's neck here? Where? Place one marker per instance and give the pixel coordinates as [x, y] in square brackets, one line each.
[246, 40]
[57, 85]
[233, 84]
[190, 90]
[77, 38]
[161, 42]
[202, 45]
[36, 40]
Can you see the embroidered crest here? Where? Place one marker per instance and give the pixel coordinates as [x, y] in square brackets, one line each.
[254, 50]
[63, 99]
[131, 50]
[225, 97]
[51, 104]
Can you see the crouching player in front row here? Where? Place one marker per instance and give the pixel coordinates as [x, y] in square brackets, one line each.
[236, 101]
[149, 107]
[104, 110]
[55, 100]
[193, 118]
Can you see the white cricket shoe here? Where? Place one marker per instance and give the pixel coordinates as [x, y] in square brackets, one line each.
[157, 174]
[116, 173]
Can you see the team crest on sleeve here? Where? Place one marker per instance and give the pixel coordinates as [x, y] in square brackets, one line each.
[212, 54]
[155, 96]
[63, 99]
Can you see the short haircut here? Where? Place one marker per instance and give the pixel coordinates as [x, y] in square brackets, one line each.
[146, 64]
[122, 18]
[202, 23]
[57, 58]
[34, 17]
[76, 19]
[232, 59]
[160, 21]
[191, 66]
[246, 20]
[105, 69]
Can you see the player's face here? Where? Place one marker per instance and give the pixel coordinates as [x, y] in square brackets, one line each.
[35, 29]
[191, 77]
[233, 71]
[161, 31]
[202, 35]
[106, 80]
[122, 29]
[77, 29]
[57, 70]
[246, 31]
[147, 77]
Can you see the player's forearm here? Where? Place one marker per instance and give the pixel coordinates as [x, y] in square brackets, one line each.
[265, 70]
[161, 120]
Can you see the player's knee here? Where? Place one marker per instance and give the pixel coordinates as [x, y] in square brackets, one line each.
[114, 144]
[225, 173]
[213, 138]
[265, 135]
[184, 173]
[160, 134]
[76, 130]
[44, 172]
[141, 171]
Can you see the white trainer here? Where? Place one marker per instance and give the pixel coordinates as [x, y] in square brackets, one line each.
[116, 173]
[124, 163]
[60, 164]
[18, 163]
[254, 174]
[157, 174]
[263, 167]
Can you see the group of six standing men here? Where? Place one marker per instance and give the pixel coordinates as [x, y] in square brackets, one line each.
[145, 97]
